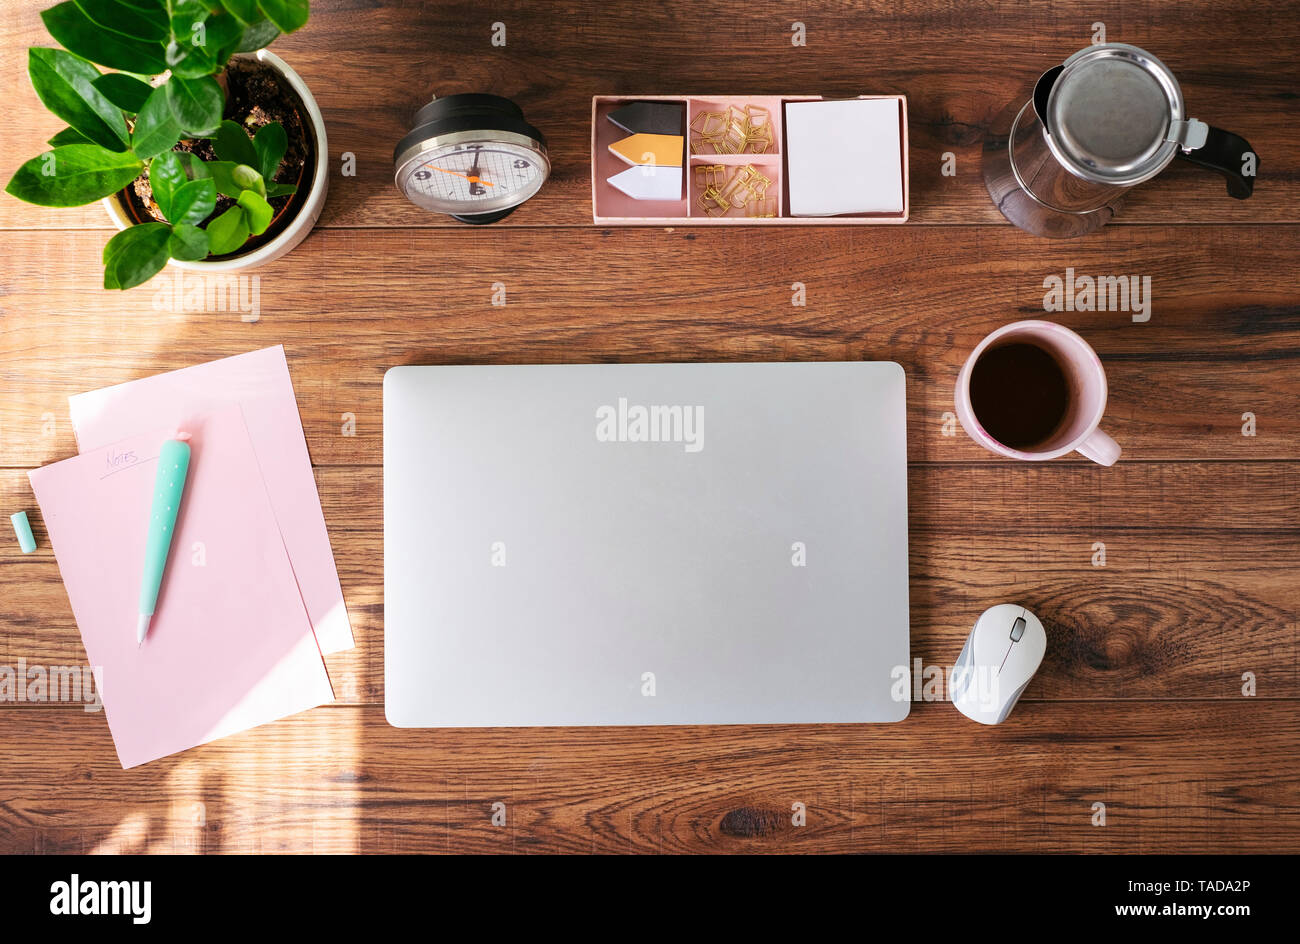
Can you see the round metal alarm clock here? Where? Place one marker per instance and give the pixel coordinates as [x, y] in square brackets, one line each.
[471, 156]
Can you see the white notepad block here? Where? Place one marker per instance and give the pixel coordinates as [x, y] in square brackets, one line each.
[844, 157]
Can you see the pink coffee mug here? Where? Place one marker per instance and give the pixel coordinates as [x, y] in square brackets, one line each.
[1085, 401]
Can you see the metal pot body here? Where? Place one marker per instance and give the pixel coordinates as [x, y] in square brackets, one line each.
[1040, 174]
[1034, 190]
[1109, 118]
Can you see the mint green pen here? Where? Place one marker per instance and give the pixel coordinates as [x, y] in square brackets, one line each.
[168, 486]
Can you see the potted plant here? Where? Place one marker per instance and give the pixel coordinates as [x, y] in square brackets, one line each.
[204, 156]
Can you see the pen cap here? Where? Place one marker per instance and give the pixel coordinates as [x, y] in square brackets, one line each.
[23, 529]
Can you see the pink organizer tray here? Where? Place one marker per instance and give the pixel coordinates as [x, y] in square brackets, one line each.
[612, 206]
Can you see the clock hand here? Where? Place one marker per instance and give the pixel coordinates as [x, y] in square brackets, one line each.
[472, 178]
[474, 174]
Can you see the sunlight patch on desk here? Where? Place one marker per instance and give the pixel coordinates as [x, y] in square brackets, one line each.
[129, 837]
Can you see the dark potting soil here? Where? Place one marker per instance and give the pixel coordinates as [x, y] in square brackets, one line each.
[255, 96]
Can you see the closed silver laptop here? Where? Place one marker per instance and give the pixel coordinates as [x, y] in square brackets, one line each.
[645, 544]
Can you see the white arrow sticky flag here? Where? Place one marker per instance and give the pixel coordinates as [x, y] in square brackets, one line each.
[650, 182]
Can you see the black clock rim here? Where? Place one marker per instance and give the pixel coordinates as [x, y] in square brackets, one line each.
[471, 111]
[480, 219]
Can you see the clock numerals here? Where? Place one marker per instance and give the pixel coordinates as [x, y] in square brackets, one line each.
[422, 175]
[520, 164]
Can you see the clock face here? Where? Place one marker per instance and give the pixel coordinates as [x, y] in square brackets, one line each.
[473, 177]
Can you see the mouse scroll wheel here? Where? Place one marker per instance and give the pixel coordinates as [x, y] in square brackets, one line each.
[1017, 629]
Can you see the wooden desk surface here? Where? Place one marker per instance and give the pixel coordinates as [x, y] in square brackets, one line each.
[1139, 704]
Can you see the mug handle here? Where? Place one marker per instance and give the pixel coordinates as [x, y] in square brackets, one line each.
[1099, 447]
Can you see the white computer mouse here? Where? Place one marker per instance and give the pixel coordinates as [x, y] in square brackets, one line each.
[1001, 655]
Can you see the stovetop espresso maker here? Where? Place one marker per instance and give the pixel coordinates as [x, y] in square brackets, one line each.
[1107, 119]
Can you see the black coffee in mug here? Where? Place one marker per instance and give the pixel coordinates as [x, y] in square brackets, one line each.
[1035, 390]
[1019, 393]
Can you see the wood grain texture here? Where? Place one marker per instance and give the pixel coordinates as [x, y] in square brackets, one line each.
[1197, 587]
[1220, 342]
[370, 65]
[342, 780]
[1139, 703]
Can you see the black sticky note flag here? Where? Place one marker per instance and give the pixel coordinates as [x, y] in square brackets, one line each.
[649, 117]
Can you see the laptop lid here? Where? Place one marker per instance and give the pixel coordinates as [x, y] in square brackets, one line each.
[645, 544]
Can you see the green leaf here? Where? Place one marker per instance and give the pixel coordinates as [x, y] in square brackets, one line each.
[68, 136]
[73, 175]
[124, 91]
[199, 40]
[223, 174]
[287, 15]
[184, 14]
[243, 10]
[65, 85]
[136, 254]
[180, 199]
[193, 202]
[270, 142]
[195, 167]
[224, 54]
[223, 32]
[280, 190]
[141, 20]
[188, 242]
[79, 34]
[166, 176]
[257, 211]
[196, 104]
[228, 232]
[233, 179]
[257, 36]
[246, 178]
[191, 62]
[233, 144]
[156, 129]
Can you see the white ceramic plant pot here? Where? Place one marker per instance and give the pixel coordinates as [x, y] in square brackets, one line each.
[308, 213]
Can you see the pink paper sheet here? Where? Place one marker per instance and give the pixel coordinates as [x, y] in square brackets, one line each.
[259, 382]
[230, 646]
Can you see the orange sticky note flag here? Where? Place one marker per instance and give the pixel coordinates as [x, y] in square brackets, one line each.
[663, 150]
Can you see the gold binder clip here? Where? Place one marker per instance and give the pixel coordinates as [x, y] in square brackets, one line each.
[707, 128]
[736, 134]
[713, 202]
[745, 185]
[757, 130]
[710, 176]
[738, 130]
